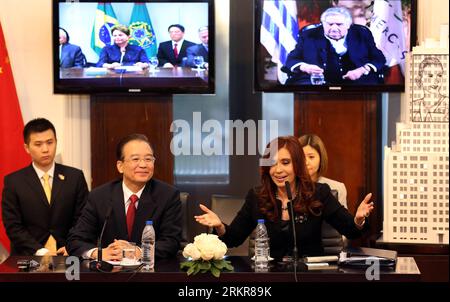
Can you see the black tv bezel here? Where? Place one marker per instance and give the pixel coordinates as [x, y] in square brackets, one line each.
[60, 88]
[260, 85]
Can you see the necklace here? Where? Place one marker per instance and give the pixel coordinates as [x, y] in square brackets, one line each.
[285, 208]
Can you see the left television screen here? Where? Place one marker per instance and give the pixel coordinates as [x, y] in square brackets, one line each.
[133, 47]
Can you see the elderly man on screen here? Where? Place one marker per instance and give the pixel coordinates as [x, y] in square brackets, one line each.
[199, 49]
[70, 55]
[343, 52]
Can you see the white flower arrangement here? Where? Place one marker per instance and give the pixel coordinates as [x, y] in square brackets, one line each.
[207, 254]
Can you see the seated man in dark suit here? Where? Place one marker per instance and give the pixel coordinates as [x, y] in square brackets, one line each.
[70, 55]
[134, 199]
[42, 202]
[343, 52]
[171, 53]
[199, 49]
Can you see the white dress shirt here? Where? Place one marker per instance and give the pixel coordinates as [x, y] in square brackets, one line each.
[126, 197]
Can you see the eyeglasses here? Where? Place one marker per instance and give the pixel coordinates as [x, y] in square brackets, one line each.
[136, 160]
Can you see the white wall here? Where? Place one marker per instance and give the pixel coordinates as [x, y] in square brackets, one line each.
[432, 13]
[27, 30]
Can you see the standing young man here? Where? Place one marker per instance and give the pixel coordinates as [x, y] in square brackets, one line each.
[42, 201]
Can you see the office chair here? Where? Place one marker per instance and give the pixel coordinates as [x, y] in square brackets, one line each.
[226, 207]
[332, 240]
[184, 220]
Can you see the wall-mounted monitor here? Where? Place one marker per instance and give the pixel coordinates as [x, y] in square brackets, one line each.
[333, 45]
[143, 46]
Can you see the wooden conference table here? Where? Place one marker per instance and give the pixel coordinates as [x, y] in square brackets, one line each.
[53, 269]
[161, 77]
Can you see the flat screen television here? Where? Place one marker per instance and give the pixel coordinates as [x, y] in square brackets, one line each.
[140, 57]
[300, 48]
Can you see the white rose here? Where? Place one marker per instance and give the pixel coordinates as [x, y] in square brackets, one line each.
[209, 246]
[206, 244]
[191, 250]
[221, 250]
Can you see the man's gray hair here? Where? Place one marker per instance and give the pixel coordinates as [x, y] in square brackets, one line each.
[338, 10]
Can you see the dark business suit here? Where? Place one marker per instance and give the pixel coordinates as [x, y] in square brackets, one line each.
[309, 231]
[159, 202]
[133, 54]
[166, 54]
[29, 219]
[71, 56]
[314, 48]
[196, 50]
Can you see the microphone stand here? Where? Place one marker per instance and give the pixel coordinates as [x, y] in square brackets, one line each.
[99, 265]
[294, 233]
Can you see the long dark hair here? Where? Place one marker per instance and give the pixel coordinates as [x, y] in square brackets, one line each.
[304, 202]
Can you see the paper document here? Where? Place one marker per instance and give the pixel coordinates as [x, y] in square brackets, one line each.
[95, 71]
[320, 259]
[128, 68]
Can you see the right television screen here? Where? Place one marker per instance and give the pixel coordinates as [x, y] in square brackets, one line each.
[337, 45]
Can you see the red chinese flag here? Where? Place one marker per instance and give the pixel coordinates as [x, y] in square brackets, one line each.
[13, 155]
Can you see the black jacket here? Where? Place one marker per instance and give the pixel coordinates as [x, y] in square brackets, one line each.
[28, 217]
[159, 202]
[309, 229]
[314, 48]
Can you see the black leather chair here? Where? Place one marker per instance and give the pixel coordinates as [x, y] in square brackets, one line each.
[184, 216]
[226, 207]
[332, 240]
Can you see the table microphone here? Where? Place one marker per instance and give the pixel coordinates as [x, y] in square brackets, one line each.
[292, 218]
[99, 265]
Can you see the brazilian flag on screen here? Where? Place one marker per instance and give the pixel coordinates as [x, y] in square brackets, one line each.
[141, 30]
[105, 19]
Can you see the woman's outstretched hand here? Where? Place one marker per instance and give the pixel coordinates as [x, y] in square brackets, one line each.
[365, 208]
[210, 219]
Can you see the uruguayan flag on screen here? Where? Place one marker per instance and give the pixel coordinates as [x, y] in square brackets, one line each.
[279, 30]
[387, 29]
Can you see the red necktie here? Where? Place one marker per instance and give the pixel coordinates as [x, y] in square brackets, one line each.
[131, 212]
[175, 50]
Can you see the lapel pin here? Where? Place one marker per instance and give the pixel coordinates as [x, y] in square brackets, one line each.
[61, 176]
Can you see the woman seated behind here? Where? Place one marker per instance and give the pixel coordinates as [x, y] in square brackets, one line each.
[313, 203]
[317, 164]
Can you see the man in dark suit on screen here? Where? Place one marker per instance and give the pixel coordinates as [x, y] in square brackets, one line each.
[70, 55]
[42, 202]
[343, 52]
[171, 53]
[199, 49]
[134, 199]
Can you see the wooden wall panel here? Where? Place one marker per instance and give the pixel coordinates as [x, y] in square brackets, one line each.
[348, 126]
[113, 117]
